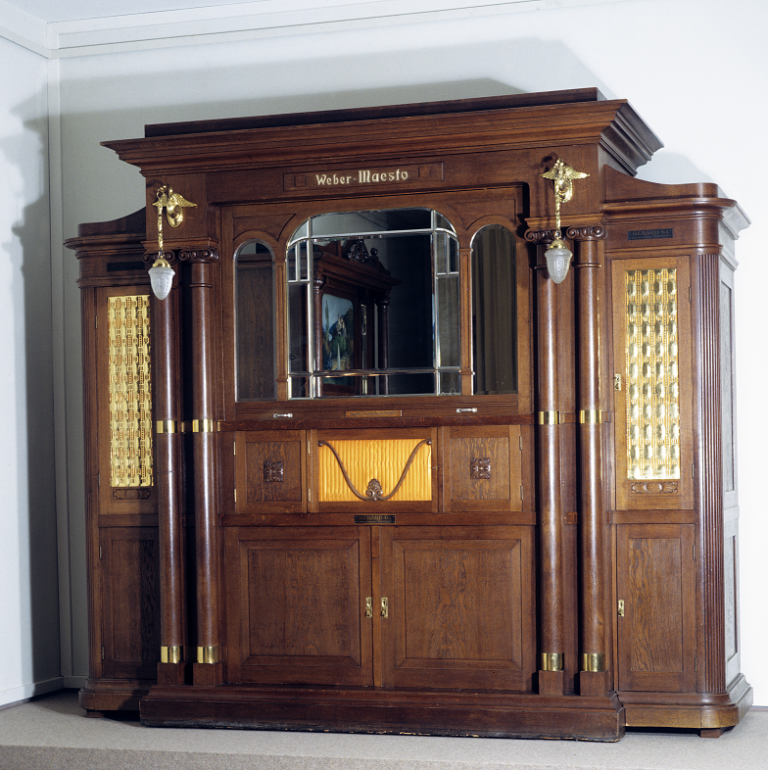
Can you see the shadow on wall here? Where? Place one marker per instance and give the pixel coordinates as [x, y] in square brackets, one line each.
[30, 337]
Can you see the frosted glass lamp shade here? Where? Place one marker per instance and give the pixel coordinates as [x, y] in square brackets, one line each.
[558, 261]
[161, 278]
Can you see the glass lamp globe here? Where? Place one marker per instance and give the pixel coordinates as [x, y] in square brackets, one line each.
[161, 278]
[558, 260]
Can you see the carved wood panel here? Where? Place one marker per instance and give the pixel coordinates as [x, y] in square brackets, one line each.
[656, 582]
[296, 597]
[270, 469]
[482, 468]
[131, 602]
[460, 607]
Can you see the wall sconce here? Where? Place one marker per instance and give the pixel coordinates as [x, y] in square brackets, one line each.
[558, 255]
[161, 273]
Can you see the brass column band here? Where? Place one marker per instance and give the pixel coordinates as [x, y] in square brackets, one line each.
[593, 661]
[204, 426]
[167, 426]
[590, 416]
[552, 661]
[208, 654]
[174, 654]
[549, 418]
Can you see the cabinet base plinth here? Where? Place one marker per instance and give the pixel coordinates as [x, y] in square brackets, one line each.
[448, 713]
[103, 695]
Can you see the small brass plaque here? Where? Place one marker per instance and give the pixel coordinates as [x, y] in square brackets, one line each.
[375, 518]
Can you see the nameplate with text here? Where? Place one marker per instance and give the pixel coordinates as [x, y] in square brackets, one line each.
[644, 235]
[371, 176]
[380, 518]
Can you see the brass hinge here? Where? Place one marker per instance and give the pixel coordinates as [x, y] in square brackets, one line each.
[234, 449]
[235, 493]
[693, 549]
[621, 608]
[695, 663]
[368, 606]
[520, 442]
[309, 495]
[99, 551]
[102, 653]
[384, 607]
[521, 491]
[96, 321]
[98, 480]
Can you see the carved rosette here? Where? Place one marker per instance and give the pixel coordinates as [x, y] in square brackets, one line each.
[480, 468]
[273, 471]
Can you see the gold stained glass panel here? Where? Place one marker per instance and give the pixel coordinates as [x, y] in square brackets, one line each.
[652, 375]
[130, 392]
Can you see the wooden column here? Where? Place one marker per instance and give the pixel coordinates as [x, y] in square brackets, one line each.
[593, 679]
[168, 474]
[207, 668]
[551, 594]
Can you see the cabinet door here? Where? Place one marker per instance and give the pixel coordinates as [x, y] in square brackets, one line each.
[296, 605]
[656, 583]
[460, 608]
[131, 602]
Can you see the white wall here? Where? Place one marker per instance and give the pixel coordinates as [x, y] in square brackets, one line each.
[694, 69]
[29, 601]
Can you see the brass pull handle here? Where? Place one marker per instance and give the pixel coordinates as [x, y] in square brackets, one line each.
[369, 607]
[621, 608]
[384, 607]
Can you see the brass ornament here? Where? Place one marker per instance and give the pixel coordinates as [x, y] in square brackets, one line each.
[563, 176]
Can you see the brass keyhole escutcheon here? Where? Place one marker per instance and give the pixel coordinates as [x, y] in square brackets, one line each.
[369, 607]
[384, 607]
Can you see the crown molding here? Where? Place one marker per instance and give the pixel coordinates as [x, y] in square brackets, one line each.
[243, 21]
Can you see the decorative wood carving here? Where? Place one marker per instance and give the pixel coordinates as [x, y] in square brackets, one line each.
[198, 255]
[273, 471]
[142, 493]
[590, 233]
[480, 468]
[654, 487]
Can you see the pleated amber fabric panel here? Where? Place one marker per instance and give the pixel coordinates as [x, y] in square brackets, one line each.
[384, 460]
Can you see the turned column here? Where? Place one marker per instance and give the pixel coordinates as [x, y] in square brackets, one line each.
[593, 677]
[551, 590]
[207, 668]
[168, 473]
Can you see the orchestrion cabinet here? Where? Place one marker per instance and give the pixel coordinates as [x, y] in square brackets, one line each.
[433, 433]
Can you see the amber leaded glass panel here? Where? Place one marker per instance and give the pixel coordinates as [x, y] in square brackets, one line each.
[652, 374]
[130, 392]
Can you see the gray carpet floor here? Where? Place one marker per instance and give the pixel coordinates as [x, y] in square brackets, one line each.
[52, 733]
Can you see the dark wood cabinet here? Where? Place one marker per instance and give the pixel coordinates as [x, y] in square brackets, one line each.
[370, 468]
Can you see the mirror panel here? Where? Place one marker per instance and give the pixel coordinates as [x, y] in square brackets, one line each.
[255, 319]
[494, 311]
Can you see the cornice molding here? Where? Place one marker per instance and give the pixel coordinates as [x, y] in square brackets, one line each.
[243, 21]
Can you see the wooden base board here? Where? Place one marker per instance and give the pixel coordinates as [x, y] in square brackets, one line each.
[448, 713]
[697, 711]
[112, 694]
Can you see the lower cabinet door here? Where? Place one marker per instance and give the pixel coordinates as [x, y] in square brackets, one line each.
[460, 610]
[130, 594]
[655, 584]
[296, 603]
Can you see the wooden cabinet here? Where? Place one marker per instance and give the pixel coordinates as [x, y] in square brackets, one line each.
[369, 468]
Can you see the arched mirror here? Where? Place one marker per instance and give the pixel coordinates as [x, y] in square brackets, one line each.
[373, 305]
[255, 318]
[494, 311]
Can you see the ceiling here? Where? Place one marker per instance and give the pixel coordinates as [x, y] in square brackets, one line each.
[52, 11]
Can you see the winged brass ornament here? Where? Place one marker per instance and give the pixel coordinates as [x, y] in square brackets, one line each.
[562, 175]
